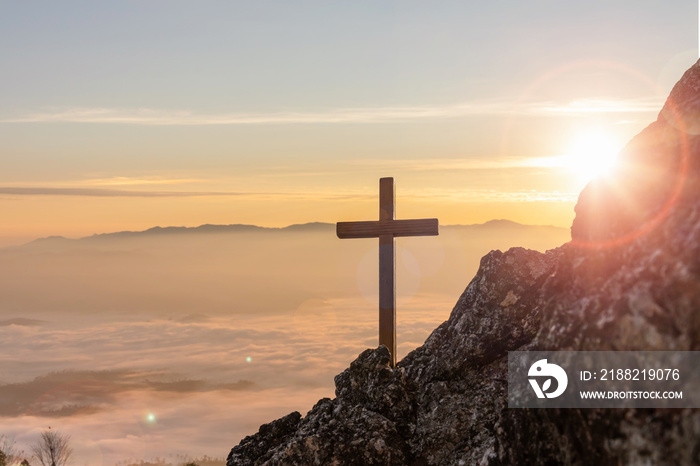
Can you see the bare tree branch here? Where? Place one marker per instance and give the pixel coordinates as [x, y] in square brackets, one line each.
[8, 453]
[52, 449]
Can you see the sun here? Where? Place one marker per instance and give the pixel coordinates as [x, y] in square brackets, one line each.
[592, 154]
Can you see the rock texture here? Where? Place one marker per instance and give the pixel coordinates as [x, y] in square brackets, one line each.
[628, 280]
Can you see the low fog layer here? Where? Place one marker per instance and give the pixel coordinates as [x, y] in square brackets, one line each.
[181, 272]
[210, 333]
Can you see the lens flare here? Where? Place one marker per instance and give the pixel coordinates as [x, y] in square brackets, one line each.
[592, 155]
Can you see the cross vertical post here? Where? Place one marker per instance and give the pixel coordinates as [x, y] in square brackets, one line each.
[387, 229]
[387, 269]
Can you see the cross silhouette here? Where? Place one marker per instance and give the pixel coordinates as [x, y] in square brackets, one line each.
[386, 229]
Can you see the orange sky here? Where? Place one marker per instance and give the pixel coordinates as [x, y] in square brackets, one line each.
[236, 113]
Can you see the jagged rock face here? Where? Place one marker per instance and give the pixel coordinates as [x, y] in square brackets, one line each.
[629, 280]
[366, 423]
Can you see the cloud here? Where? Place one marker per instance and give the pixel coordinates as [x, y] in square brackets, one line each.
[59, 394]
[161, 117]
[99, 192]
[194, 379]
[70, 393]
[20, 321]
[437, 164]
[598, 106]
[18, 191]
[139, 181]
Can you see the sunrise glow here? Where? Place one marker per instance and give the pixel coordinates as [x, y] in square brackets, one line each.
[593, 154]
[125, 126]
[590, 154]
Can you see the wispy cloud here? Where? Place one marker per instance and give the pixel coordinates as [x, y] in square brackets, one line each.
[139, 181]
[466, 164]
[161, 117]
[596, 106]
[463, 194]
[492, 195]
[20, 191]
[99, 192]
[440, 164]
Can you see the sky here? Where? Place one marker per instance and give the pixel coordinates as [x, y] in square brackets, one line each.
[126, 115]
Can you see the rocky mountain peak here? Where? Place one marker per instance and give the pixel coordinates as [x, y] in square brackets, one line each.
[628, 280]
[684, 100]
[656, 170]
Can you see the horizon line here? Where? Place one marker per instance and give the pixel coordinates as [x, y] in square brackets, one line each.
[181, 228]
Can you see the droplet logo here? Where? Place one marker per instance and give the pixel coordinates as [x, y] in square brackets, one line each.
[543, 370]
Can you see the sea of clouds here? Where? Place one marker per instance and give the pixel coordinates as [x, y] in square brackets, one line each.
[146, 389]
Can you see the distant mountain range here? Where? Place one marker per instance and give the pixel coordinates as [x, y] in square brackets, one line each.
[223, 269]
[499, 224]
[202, 229]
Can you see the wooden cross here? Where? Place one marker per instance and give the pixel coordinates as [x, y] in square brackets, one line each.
[386, 229]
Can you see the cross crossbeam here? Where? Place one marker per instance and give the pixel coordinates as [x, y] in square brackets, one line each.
[386, 229]
[374, 229]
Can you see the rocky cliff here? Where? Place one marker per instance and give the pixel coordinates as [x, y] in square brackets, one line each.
[628, 280]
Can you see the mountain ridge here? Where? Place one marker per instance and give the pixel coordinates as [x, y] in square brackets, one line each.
[249, 228]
